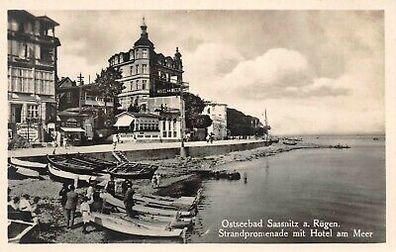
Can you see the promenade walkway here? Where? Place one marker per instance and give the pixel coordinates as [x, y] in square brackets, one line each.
[128, 146]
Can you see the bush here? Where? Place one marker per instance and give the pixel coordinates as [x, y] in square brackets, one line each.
[18, 142]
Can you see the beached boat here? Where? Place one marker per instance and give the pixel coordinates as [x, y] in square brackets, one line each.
[184, 203]
[141, 209]
[97, 162]
[36, 166]
[341, 146]
[123, 226]
[133, 171]
[69, 165]
[19, 231]
[172, 223]
[225, 174]
[289, 142]
[62, 175]
[22, 173]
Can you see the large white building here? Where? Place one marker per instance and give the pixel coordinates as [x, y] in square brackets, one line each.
[218, 113]
[32, 73]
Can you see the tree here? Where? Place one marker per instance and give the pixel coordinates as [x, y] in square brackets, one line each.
[240, 124]
[108, 85]
[194, 106]
[201, 121]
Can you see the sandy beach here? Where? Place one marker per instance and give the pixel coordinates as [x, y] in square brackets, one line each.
[177, 179]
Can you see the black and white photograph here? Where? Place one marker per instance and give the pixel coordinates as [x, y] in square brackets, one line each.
[199, 126]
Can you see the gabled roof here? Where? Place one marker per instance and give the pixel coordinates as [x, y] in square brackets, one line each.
[65, 80]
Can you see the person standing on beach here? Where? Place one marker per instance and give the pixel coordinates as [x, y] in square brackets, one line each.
[86, 213]
[70, 206]
[115, 140]
[128, 201]
[110, 187]
[63, 194]
[35, 210]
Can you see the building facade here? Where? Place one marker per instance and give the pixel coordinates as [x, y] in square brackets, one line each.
[133, 126]
[153, 82]
[83, 104]
[146, 73]
[32, 74]
[218, 113]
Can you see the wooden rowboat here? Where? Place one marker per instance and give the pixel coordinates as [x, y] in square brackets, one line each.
[130, 228]
[17, 163]
[184, 203]
[22, 173]
[143, 209]
[19, 230]
[64, 175]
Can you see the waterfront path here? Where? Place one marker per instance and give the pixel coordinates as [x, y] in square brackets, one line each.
[128, 146]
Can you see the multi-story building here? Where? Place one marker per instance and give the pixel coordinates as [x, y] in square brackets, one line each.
[146, 73]
[218, 113]
[32, 73]
[83, 105]
[153, 82]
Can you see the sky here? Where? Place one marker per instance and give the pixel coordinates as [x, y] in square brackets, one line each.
[316, 72]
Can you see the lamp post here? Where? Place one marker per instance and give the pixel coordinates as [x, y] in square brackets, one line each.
[183, 153]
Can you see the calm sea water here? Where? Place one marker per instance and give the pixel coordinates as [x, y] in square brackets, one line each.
[346, 186]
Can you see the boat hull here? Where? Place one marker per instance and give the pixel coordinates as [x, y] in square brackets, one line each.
[130, 228]
[39, 167]
[20, 231]
[64, 176]
[22, 173]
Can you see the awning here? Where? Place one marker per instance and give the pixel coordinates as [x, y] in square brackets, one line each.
[72, 129]
[123, 121]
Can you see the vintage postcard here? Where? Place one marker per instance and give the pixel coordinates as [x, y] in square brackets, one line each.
[197, 126]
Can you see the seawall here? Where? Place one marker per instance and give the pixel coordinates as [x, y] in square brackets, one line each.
[192, 151]
[146, 152]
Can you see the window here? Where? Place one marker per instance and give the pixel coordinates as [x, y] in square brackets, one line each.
[131, 86]
[163, 125]
[174, 134]
[137, 84]
[21, 80]
[144, 82]
[68, 97]
[33, 111]
[137, 69]
[164, 134]
[144, 68]
[144, 53]
[131, 71]
[45, 82]
[169, 125]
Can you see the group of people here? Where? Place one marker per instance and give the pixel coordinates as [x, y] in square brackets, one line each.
[155, 180]
[23, 208]
[69, 200]
[126, 190]
[210, 137]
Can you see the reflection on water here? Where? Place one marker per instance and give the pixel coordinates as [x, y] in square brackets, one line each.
[346, 186]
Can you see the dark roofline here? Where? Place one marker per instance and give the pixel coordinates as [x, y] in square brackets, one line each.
[21, 12]
[48, 20]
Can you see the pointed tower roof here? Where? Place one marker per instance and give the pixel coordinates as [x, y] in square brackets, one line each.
[144, 40]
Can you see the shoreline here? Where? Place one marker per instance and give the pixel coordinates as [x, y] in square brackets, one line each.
[177, 179]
